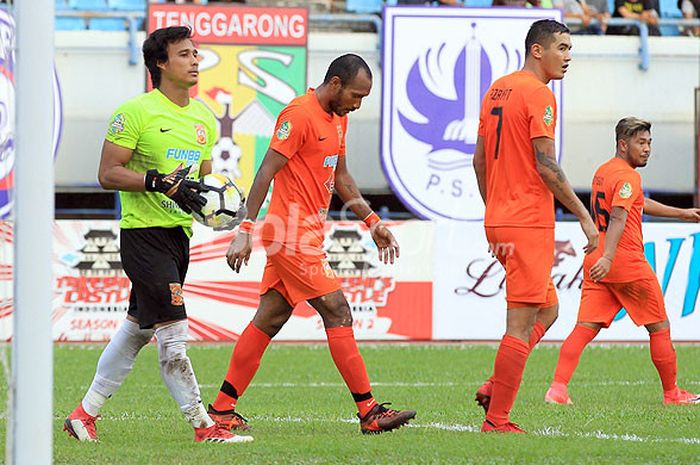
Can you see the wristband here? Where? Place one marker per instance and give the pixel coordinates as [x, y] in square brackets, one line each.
[247, 226]
[371, 219]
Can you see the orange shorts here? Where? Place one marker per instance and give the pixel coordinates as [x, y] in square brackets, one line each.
[527, 255]
[643, 300]
[297, 276]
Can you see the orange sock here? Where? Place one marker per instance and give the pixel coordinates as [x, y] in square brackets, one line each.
[570, 352]
[347, 358]
[507, 373]
[245, 361]
[664, 357]
[535, 336]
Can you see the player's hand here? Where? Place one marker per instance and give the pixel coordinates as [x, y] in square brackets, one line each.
[175, 186]
[386, 243]
[239, 251]
[601, 268]
[691, 214]
[592, 234]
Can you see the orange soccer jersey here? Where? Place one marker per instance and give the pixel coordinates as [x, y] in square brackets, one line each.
[617, 184]
[516, 109]
[313, 140]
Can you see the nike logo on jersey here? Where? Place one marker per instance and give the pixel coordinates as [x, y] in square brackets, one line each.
[165, 130]
[322, 138]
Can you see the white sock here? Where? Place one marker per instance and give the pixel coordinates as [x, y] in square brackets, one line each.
[178, 375]
[115, 364]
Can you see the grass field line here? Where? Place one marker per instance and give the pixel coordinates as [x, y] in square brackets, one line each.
[549, 432]
[419, 384]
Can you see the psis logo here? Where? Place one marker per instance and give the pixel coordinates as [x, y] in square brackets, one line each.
[432, 98]
[7, 112]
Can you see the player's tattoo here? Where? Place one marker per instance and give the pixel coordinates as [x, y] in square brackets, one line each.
[551, 164]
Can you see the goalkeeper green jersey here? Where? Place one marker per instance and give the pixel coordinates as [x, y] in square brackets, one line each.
[162, 135]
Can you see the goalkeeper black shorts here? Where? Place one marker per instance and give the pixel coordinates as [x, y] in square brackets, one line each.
[155, 260]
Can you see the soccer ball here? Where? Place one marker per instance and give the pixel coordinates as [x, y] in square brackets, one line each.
[225, 207]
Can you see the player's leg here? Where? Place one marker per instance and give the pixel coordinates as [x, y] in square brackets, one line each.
[569, 355]
[546, 316]
[597, 310]
[337, 319]
[509, 366]
[115, 363]
[158, 276]
[644, 302]
[526, 255]
[273, 312]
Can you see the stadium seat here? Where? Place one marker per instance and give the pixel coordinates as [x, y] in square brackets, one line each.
[107, 24]
[90, 5]
[60, 5]
[478, 3]
[69, 24]
[127, 5]
[669, 9]
[364, 6]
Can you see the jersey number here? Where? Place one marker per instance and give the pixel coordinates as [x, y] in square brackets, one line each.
[498, 111]
[600, 214]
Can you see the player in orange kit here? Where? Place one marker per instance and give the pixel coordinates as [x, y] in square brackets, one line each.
[518, 175]
[307, 160]
[618, 275]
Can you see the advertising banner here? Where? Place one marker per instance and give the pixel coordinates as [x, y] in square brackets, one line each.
[92, 292]
[437, 65]
[253, 64]
[470, 284]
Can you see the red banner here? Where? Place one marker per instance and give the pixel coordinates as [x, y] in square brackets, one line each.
[234, 24]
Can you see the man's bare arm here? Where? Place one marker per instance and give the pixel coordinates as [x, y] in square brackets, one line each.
[271, 164]
[654, 208]
[554, 178]
[480, 167]
[348, 192]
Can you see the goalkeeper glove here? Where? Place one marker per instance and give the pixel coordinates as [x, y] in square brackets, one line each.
[183, 192]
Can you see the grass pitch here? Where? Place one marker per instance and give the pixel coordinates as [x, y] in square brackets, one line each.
[302, 413]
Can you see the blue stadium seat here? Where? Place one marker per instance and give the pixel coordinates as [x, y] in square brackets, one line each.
[90, 5]
[478, 3]
[107, 24]
[69, 24]
[364, 6]
[127, 5]
[669, 9]
[61, 5]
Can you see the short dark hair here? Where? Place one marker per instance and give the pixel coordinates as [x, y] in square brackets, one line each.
[542, 32]
[346, 68]
[155, 48]
[628, 127]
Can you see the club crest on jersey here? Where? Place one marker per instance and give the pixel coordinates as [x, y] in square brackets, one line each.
[626, 191]
[548, 117]
[117, 124]
[201, 133]
[284, 130]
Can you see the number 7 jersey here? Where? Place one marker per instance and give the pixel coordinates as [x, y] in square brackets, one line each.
[517, 108]
[617, 184]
